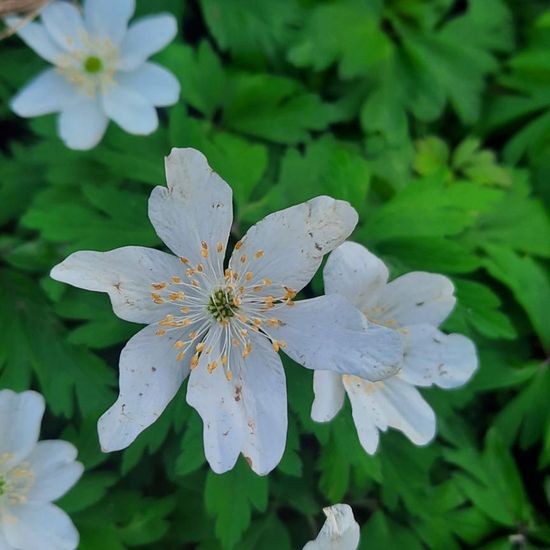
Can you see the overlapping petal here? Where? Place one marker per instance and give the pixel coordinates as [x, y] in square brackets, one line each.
[416, 298]
[195, 208]
[329, 395]
[20, 418]
[64, 24]
[126, 274]
[328, 333]
[150, 376]
[354, 272]
[287, 247]
[339, 532]
[390, 403]
[432, 357]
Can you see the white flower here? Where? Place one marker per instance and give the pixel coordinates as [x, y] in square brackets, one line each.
[100, 69]
[32, 475]
[224, 326]
[339, 532]
[413, 305]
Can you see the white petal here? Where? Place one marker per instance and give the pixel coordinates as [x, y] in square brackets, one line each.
[145, 37]
[329, 395]
[339, 532]
[130, 110]
[82, 123]
[126, 274]
[416, 298]
[432, 357]
[218, 402]
[263, 391]
[64, 24]
[47, 93]
[352, 271]
[4, 543]
[293, 242]
[39, 527]
[150, 376]
[156, 84]
[328, 333]
[36, 37]
[20, 418]
[108, 18]
[393, 403]
[196, 207]
[54, 466]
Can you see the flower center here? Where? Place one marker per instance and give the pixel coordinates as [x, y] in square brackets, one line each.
[222, 305]
[93, 64]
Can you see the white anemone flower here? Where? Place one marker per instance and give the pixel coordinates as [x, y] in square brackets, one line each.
[339, 532]
[100, 69]
[33, 474]
[413, 305]
[225, 326]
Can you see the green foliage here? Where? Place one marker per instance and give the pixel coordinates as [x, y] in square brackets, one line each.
[432, 118]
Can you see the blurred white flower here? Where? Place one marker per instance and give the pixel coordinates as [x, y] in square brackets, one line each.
[32, 475]
[100, 69]
[225, 326]
[414, 305]
[339, 532]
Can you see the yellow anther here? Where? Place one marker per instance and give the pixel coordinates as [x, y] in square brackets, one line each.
[175, 296]
[235, 342]
[238, 245]
[228, 273]
[160, 332]
[235, 275]
[209, 350]
[180, 356]
[212, 367]
[190, 271]
[219, 248]
[184, 309]
[249, 276]
[243, 258]
[274, 322]
[184, 260]
[257, 322]
[244, 331]
[229, 375]
[289, 293]
[193, 334]
[176, 280]
[195, 283]
[200, 268]
[184, 322]
[204, 250]
[247, 349]
[259, 254]
[158, 286]
[269, 301]
[243, 318]
[279, 344]
[200, 347]
[155, 296]
[179, 344]
[224, 360]
[289, 303]
[194, 361]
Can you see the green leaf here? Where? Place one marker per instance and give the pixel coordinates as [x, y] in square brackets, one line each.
[230, 498]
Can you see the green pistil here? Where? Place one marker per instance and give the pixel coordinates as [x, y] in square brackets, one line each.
[221, 305]
[93, 64]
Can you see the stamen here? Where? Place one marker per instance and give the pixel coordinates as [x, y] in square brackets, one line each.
[204, 249]
[219, 248]
[259, 254]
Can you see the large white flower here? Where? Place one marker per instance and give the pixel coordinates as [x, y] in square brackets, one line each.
[225, 325]
[32, 475]
[414, 305]
[100, 69]
[339, 532]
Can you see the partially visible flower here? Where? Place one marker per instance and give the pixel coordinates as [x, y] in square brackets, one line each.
[32, 475]
[224, 325]
[339, 532]
[414, 305]
[100, 69]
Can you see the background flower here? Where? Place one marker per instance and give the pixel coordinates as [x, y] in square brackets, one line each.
[413, 305]
[340, 530]
[33, 474]
[100, 69]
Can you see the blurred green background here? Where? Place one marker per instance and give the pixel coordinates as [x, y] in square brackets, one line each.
[432, 117]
